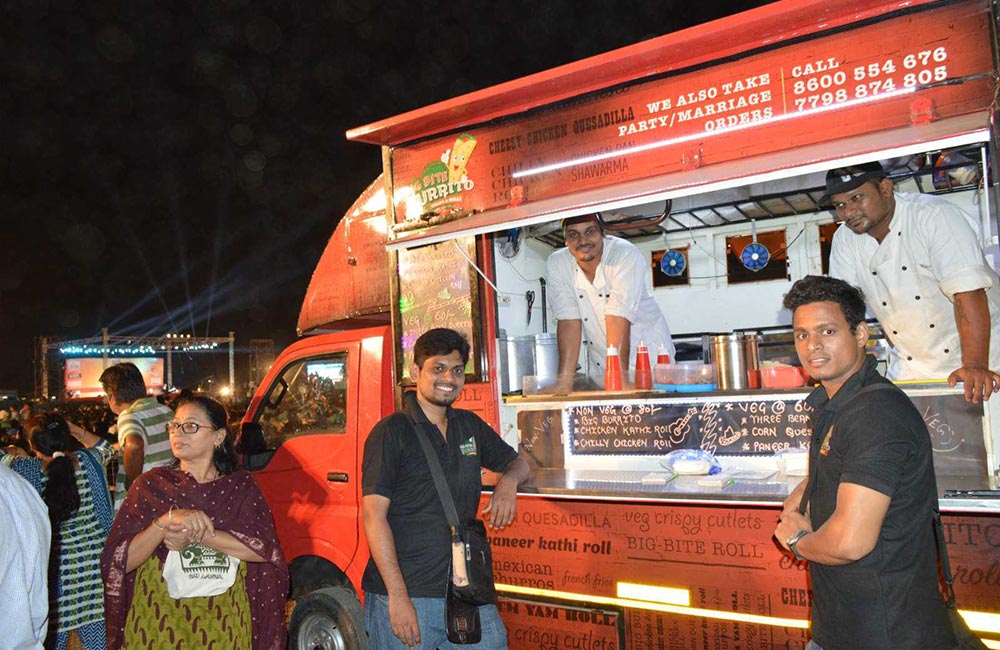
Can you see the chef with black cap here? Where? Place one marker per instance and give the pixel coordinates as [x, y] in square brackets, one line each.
[599, 296]
[919, 263]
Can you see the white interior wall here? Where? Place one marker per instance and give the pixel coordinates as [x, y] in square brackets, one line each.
[708, 304]
[516, 276]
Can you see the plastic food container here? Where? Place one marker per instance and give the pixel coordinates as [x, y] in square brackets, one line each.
[782, 377]
[685, 377]
[532, 384]
[793, 462]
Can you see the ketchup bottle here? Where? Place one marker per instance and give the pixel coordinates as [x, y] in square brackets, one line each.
[613, 370]
[662, 356]
[643, 373]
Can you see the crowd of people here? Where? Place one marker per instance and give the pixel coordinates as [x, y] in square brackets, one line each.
[189, 538]
[91, 567]
[182, 551]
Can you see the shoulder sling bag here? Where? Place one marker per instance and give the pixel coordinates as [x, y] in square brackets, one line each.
[472, 561]
[471, 583]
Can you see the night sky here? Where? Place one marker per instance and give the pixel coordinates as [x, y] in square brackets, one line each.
[179, 166]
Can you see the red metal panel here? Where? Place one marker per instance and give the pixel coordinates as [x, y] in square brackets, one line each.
[946, 133]
[720, 39]
[853, 82]
[724, 556]
[352, 277]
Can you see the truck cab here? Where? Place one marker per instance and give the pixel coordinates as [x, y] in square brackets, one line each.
[302, 438]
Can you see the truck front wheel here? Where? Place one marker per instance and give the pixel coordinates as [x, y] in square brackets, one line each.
[328, 619]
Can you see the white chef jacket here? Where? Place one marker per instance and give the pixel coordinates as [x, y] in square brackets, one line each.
[909, 280]
[619, 289]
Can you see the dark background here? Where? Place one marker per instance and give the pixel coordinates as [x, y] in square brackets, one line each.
[179, 166]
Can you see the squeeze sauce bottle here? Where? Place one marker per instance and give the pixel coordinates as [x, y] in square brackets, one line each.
[662, 356]
[643, 373]
[613, 370]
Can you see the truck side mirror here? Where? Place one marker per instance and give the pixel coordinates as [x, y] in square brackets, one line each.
[251, 439]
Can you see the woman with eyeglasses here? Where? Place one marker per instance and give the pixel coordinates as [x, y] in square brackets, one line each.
[193, 557]
[74, 486]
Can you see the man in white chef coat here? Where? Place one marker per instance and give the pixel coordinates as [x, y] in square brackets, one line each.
[597, 289]
[919, 263]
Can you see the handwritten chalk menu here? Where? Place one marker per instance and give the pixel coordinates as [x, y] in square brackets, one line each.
[437, 288]
[737, 427]
[752, 427]
[540, 437]
[956, 429]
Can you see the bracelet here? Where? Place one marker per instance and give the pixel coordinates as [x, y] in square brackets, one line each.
[170, 518]
[792, 541]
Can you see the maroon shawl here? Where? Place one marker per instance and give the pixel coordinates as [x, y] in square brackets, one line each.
[235, 505]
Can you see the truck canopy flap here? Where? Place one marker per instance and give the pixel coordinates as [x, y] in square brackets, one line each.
[765, 27]
[810, 161]
[350, 285]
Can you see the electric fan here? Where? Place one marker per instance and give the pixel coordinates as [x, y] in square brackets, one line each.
[755, 256]
[673, 263]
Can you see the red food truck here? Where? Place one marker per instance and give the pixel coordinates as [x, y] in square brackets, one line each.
[697, 146]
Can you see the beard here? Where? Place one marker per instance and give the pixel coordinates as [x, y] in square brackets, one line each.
[442, 400]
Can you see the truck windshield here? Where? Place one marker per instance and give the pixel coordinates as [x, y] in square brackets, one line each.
[309, 397]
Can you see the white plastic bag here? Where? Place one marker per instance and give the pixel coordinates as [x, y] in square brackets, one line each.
[199, 571]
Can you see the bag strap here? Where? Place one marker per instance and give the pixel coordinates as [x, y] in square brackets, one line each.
[811, 484]
[437, 473]
[949, 580]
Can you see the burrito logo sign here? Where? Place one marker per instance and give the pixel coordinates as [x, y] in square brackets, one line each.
[443, 181]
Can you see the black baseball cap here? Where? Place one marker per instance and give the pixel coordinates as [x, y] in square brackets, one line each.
[845, 179]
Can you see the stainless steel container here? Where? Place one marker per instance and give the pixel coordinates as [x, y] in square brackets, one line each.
[517, 359]
[734, 357]
[546, 350]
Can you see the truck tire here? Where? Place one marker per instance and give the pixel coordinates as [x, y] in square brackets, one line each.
[328, 619]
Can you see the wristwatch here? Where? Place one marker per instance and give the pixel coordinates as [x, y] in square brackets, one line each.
[793, 540]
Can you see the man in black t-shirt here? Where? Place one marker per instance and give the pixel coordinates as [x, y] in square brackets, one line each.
[867, 529]
[406, 579]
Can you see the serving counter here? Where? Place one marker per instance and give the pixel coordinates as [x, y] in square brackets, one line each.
[612, 550]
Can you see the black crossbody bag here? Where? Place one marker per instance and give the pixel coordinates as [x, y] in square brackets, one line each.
[470, 581]
[967, 639]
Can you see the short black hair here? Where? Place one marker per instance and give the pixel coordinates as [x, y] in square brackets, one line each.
[439, 341]
[124, 382]
[820, 288]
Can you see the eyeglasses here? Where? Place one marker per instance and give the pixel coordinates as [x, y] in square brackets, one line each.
[186, 428]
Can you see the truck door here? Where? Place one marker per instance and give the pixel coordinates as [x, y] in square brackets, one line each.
[305, 456]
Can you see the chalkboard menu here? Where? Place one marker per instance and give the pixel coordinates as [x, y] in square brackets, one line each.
[541, 437]
[437, 288]
[755, 427]
[738, 427]
[956, 429]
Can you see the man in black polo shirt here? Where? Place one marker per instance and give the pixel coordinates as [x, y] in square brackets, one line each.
[867, 529]
[406, 579]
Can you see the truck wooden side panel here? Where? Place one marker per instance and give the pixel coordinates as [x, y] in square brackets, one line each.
[731, 585]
